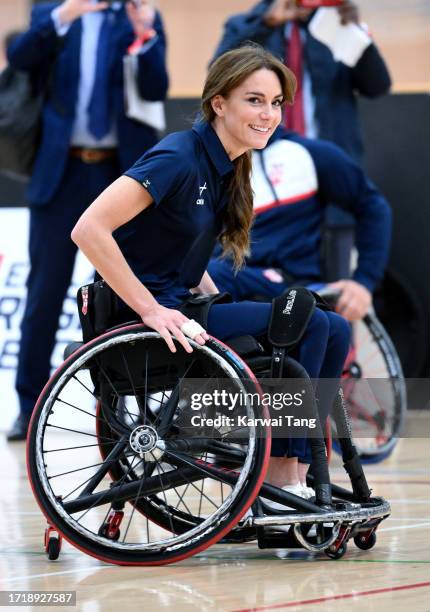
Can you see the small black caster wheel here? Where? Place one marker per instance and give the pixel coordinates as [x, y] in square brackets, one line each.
[336, 554]
[53, 549]
[364, 542]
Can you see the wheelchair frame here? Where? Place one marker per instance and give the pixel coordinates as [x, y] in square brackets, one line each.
[133, 454]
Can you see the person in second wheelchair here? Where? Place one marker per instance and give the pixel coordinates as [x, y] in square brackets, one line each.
[293, 180]
[150, 235]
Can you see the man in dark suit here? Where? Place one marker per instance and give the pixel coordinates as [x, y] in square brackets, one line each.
[78, 46]
[328, 88]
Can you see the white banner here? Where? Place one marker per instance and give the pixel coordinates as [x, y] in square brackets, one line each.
[14, 268]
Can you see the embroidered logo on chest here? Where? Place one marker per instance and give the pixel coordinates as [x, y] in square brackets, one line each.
[200, 201]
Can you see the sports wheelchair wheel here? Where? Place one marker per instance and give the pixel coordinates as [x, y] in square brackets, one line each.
[114, 463]
[375, 391]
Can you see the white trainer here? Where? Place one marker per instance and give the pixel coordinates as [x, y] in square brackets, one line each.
[308, 492]
[296, 489]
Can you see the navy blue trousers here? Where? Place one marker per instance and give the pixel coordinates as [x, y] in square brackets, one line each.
[52, 257]
[322, 352]
[247, 282]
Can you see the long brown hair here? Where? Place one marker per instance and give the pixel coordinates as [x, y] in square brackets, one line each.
[226, 73]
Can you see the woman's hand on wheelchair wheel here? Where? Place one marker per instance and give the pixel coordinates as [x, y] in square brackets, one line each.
[354, 301]
[168, 322]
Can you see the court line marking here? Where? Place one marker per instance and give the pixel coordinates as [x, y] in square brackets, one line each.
[73, 571]
[317, 600]
[413, 526]
[90, 568]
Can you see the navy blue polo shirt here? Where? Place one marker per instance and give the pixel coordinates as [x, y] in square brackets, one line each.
[169, 244]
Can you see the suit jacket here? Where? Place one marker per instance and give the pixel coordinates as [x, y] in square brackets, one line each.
[334, 84]
[43, 53]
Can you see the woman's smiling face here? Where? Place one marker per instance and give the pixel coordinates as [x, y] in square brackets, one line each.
[251, 112]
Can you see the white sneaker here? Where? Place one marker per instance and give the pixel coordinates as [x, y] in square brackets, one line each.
[308, 492]
[296, 489]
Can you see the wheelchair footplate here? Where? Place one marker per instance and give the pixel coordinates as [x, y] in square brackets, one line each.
[325, 531]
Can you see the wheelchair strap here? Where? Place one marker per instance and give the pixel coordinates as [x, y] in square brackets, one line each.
[197, 306]
[290, 316]
[277, 364]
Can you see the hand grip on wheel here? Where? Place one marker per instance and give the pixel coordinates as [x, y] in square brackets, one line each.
[192, 329]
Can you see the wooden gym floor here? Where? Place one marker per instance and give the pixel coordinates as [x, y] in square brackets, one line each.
[393, 576]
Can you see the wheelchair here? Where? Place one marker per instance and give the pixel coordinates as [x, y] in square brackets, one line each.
[374, 388]
[119, 473]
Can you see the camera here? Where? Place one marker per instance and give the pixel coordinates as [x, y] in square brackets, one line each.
[313, 4]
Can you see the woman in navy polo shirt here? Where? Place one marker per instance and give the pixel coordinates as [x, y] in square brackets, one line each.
[151, 233]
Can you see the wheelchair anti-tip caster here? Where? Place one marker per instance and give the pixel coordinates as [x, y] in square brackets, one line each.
[365, 541]
[336, 553]
[52, 541]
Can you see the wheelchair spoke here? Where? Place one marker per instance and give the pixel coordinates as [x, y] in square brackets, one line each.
[194, 486]
[166, 415]
[74, 471]
[211, 472]
[181, 499]
[63, 497]
[222, 491]
[164, 495]
[84, 386]
[130, 378]
[160, 467]
[57, 450]
[84, 433]
[231, 431]
[109, 381]
[94, 416]
[133, 508]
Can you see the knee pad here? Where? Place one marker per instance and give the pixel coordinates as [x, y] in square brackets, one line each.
[291, 313]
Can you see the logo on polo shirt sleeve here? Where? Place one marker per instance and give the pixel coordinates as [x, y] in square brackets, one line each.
[146, 183]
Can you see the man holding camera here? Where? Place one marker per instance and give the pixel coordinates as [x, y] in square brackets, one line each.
[74, 51]
[325, 104]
